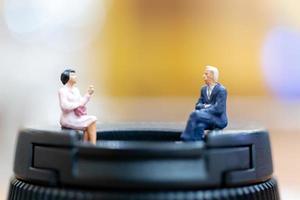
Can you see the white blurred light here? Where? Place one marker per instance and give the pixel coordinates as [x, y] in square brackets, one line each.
[286, 11]
[62, 24]
[23, 16]
[71, 12]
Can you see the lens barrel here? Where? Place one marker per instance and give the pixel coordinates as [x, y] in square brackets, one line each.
[143, 161]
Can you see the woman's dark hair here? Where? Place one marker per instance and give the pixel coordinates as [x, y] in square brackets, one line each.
[65, 76]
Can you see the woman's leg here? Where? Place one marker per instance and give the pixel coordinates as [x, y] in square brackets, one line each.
[85, 136]
[92, 134]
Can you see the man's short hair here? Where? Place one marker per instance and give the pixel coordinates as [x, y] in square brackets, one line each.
[214, 71]
[65, 76]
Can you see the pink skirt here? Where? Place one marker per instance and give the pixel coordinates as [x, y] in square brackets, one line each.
[77, 122]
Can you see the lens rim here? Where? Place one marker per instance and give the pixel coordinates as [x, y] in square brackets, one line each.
[227, 158]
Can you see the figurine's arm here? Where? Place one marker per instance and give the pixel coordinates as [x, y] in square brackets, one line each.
[200, 103]
[68, 105]
[220, 106]
[85, 99]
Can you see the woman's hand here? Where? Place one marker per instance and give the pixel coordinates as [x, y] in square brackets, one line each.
[91, 90]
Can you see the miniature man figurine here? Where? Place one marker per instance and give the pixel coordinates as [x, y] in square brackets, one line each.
[73, 108]
[210, 111]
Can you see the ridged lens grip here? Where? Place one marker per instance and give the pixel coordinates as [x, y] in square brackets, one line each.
[20, 190]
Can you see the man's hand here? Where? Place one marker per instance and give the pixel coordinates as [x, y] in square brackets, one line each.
[91, 90]
[206, 105]
[199, 106]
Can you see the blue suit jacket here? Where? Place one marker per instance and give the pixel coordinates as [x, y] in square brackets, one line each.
[217, 108]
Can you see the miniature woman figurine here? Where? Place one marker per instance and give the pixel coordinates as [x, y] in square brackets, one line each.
[73, 108]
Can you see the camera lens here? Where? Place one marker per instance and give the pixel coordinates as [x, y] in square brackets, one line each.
[143, 161]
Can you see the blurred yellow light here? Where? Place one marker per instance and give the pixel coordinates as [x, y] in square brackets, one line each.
[161, 47]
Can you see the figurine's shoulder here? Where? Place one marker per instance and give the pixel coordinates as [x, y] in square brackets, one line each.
[203, 87]
[66, 90]
[222, 87]
[62, 90]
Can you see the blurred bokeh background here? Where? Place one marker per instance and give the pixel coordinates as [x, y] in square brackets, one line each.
[146, 59]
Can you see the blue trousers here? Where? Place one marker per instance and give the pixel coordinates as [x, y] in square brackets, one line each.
[198, 121]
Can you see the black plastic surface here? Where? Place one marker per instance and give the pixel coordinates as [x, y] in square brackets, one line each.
[143, 157]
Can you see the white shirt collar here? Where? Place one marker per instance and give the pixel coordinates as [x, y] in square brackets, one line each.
[211, 86]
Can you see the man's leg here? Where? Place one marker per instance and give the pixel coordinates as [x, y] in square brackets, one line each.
[197, 123]
[189, 129]
[200, 131]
